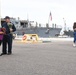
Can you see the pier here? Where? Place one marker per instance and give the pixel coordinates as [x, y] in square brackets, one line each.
[54, 58]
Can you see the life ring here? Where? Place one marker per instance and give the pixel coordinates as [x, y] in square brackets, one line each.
[24, 37]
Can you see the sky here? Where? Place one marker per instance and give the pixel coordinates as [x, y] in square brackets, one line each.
[39, 10]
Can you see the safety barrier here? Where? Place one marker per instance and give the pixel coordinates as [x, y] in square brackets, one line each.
[30, 38]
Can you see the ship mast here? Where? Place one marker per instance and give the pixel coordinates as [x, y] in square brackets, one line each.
[28, 21]
[49, 19]
[64, 24]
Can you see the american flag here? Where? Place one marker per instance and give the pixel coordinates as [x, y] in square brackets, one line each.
[50, 16]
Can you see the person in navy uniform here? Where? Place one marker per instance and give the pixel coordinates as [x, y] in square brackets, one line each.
[7, 39]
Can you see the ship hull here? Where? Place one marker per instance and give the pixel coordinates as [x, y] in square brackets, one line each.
[42, 32]
[69, 33]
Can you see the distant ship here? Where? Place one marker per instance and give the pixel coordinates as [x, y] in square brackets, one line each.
[26, 27]
[69, 33]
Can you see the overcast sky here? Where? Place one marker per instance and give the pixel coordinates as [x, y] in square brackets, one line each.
[39, 10]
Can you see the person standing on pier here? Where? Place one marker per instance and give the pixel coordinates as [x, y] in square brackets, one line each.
[7, 38]
[74, 28]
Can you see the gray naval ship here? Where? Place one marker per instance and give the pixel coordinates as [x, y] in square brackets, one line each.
[28, 27]
[69, 33]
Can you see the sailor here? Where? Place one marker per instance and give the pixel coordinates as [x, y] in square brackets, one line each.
[7, 39]
[74, 28]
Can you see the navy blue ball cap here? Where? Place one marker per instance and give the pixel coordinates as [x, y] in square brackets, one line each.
[7, 17]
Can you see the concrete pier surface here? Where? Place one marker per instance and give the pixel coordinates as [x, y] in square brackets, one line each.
[55, 58]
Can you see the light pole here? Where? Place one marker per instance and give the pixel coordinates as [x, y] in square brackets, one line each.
[0, 14]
